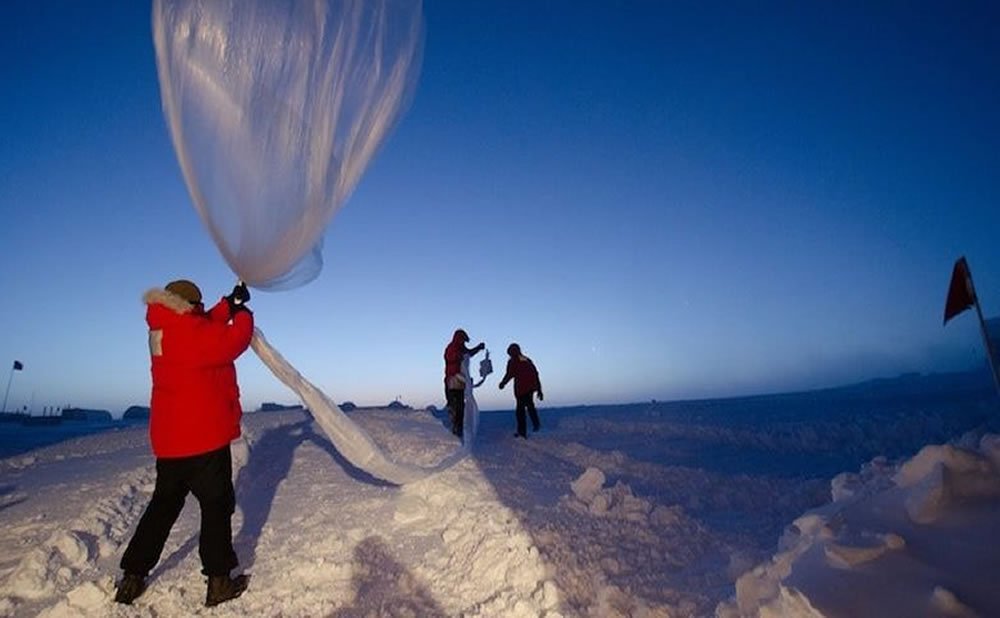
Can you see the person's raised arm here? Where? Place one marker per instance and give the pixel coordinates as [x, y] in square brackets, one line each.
[538, 381]
[508, 375]
[217, 344]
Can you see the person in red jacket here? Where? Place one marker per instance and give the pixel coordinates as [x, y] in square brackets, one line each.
[454, 381]
[526, 384]
[194, 415]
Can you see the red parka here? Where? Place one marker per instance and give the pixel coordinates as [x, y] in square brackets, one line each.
[525, 375]
[454, 352]
[195, 403]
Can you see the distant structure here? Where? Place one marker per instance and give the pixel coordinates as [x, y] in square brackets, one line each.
[34, 421]
[270, 406]
[136, 413]
[84, 414]
[350, 406]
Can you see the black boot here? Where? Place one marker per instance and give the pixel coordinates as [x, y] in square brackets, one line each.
[130, 588]
[222, 588]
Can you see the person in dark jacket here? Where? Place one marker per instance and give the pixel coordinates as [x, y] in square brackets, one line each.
[526, 384]
[194, 415]
[454, 380]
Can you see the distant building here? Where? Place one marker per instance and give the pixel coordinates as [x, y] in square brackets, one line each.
[136, 413]
[83, 414]
[30, 420]
[350, 406]
[270, 406]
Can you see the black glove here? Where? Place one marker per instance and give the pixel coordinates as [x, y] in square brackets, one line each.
[238, 298]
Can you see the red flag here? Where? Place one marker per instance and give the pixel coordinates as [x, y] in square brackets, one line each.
[961, 294]
[18, 366]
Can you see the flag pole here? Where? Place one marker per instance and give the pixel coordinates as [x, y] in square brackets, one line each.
[986, 338]
[9, 380]
[982, 327]
[961, 296]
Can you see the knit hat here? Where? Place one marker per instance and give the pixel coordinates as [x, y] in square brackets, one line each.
[186, 290]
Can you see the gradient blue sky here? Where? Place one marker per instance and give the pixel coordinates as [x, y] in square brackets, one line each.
[656, 199]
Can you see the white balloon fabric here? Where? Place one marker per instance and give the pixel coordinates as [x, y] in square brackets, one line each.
[350, 440]
[470, 422]
[275, 108]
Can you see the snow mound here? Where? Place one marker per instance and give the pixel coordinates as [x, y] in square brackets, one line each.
[588, 485]
[615, 502]
[87, 599]
[904, 538]
[67, 555]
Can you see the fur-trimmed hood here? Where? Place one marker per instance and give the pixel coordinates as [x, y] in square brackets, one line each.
[159, 296]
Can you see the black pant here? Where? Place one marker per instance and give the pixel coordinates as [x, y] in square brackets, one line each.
[526, 403]
[210, 478]
[456, 409]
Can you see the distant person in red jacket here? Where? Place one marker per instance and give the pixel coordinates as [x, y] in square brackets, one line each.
[454, 380]
[526, 384]
[194, 415]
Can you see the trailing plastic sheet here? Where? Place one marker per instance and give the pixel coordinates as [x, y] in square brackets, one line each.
[470, 424]
[349, 439]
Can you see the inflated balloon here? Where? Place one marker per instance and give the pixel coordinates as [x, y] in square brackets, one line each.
[275, 109]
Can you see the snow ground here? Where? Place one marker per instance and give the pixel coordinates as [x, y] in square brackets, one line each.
[659, 509]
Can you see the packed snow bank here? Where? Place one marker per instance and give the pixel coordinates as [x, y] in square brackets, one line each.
[917, 539]
[316, 539]
[603, 513]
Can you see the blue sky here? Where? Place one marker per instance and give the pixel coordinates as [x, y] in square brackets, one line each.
[655, 199]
